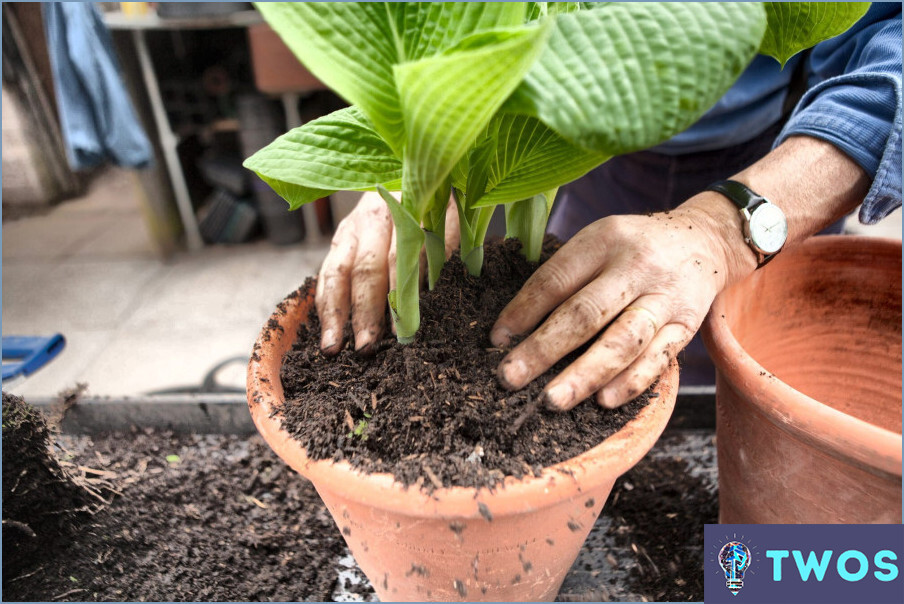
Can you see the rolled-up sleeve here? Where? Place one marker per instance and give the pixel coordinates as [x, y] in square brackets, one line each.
[855, 103]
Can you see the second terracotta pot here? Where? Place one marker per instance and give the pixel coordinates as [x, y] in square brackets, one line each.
[514, 543]
[808, 357]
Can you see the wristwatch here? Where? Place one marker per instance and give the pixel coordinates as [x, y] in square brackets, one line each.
[765, 226]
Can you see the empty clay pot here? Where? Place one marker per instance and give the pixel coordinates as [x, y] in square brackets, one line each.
[514, 543]
[808, 359]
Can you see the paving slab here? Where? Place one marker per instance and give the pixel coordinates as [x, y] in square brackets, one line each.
[146, 361]
[93, 296]
[220, 287]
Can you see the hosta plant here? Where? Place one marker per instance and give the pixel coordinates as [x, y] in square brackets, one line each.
[501, 103]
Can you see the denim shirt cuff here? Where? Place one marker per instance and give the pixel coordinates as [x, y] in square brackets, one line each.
[875, 144]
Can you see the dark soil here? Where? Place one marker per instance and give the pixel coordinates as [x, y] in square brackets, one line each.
[223, 520]
[432, 412]
[41, 499]
[229, 521]
[647, 544]
[658, 511]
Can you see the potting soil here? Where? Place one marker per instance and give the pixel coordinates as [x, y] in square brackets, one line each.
[432, 412]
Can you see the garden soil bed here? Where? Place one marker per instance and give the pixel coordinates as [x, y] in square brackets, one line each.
[432, 412]
[228, 520]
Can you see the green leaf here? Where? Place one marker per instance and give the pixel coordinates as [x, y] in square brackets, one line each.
[173, 459]
[560, 8]
[531, 159]
[627, 76]
[352, 46]
[796, 26]
[447, 100]
[538, 10]
[338, 152]
[460, 173]
[427, 28]
[481, 160]
[535, 10]
[593, 5]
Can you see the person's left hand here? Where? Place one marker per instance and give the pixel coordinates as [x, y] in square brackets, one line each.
[645, 282]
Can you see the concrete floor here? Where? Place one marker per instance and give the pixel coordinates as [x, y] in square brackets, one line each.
[134, 323]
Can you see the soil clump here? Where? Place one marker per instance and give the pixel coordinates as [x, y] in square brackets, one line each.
[42, 500]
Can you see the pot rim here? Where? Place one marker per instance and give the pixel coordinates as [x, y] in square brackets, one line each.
[572, 478]
[866, 445]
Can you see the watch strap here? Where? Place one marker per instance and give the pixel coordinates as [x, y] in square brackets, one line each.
[739, 193]
[746, 200]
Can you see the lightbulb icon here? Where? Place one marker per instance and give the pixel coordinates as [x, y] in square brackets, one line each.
[734, 558]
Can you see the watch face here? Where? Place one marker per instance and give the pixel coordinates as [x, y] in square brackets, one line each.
[768, 228]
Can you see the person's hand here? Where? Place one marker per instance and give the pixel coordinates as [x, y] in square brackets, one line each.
[359, 271]
[648, 281]
[645, 282]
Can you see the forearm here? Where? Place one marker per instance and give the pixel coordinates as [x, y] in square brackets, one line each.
[812, 181]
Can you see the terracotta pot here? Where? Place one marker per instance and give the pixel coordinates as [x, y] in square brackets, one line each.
[808, 388]
[276, 69]
[515, 543]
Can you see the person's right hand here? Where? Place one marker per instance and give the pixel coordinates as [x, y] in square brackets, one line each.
[359, 271]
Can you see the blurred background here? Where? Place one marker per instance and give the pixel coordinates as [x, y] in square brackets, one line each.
[155, 254]
[129, 224]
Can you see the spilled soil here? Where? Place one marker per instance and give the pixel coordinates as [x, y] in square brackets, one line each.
[194, 518]
[432, 412]
[221, 518]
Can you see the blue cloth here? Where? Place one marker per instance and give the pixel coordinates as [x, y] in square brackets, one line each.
[853, 101]
[97, 118]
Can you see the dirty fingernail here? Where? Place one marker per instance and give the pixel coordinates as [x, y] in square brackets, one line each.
[557, 397]
[328, 341]
[364, 341]
[513, 374]
[500, 336]
[608, 398]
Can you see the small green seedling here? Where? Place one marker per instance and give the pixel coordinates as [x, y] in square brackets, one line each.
[360, 430]
[501, 103]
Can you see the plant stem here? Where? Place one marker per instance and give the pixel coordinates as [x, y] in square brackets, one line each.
[473, 224]
[472, 256]
[435, 232]
[526, 221]
[404, 300]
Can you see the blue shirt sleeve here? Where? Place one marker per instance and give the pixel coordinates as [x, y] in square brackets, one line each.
[854, 102]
